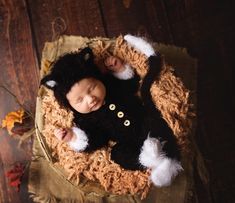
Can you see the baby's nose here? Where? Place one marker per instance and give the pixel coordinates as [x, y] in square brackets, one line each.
[91, 99]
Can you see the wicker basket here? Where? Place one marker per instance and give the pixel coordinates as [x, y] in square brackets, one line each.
[175, 106]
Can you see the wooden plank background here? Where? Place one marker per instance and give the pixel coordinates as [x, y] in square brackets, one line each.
[205, 28]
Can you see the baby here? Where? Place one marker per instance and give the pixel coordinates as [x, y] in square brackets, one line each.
[88, 95]
[106, 107]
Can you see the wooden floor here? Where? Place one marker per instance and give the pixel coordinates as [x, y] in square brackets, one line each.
[205, 28]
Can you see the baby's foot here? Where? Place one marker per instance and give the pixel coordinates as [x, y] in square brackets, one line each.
[151, 152]
[165, 172]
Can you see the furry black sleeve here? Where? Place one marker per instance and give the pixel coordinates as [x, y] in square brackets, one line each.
[117, 87]
[97, 131]
[97, 138]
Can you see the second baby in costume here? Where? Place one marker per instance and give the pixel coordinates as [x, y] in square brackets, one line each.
[106, 107]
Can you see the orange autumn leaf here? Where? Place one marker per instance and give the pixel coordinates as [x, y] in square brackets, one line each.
[12, 118]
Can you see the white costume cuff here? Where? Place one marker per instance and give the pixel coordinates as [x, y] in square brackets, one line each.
[164, 169]
[140, 45]
[81, 141]
[126, 74]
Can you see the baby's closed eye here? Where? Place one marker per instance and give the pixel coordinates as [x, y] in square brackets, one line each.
[79, 100]
[92, 88]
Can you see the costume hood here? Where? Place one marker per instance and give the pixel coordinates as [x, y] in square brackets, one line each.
[68, 70]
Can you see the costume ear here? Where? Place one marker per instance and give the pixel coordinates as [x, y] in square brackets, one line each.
[49, 82]
[87, 55]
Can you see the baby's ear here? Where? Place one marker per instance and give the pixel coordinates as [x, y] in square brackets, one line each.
[87, 55]
[49, 82]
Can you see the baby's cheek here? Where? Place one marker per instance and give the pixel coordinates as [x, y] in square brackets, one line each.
[98, 92]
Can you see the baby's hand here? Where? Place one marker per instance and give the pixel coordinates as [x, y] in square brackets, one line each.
[63, 134]
[114, 64]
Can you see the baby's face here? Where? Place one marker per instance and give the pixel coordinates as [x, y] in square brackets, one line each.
[87, 95]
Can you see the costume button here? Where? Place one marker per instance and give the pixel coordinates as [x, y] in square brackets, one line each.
[127, 122]
[120, 114]
[112, 107]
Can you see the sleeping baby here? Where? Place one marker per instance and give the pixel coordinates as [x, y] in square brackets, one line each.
[106, 107]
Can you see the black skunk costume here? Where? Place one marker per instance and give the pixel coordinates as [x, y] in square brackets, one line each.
[142, 136]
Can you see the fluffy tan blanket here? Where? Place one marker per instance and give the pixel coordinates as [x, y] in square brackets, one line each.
[169, 95]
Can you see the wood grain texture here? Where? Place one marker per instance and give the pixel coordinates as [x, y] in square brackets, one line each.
[205, 28]
[3, 192]
[140, 18]
[81, 18]
[19, 73]
[18, 63]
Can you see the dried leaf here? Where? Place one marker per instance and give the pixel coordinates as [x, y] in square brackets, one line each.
[24, 127]
[14, 175]
[12, 118]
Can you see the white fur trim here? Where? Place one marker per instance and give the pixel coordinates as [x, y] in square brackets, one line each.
[140, 45]
[164, 169]
[165, 172]
[126, 74]
[81, 141]
[151, 153]
[51, 83]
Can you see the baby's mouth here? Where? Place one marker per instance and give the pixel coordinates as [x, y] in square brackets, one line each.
[95, 104]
